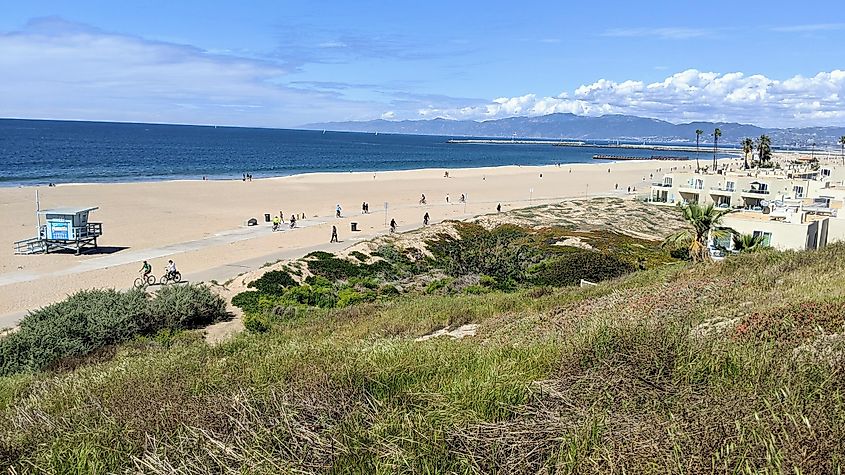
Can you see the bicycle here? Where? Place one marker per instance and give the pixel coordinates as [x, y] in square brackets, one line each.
[174, 278]
[142, 281]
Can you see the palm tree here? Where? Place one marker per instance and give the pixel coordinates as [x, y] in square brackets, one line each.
[747, 148]
[748, 242]
[698, 133]
[764, 149]
[842, 143]
[704, 221]
[716, 134]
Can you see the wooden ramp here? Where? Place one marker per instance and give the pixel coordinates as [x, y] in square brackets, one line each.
[30, 246]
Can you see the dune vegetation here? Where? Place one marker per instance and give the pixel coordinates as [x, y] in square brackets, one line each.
[681, 367]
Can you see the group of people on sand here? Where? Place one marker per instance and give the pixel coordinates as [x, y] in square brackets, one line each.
[247, 177]
[278, 220]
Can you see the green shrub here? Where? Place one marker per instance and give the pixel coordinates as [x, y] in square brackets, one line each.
[324, 297]
[388, 290]
[570, 268]
[300, 295]
[435, 286]
[247, 301]
[331, 267]
[93, 319]
[348, 297]
[476, 290]
[273, 282]
[186, 306]
[359, 255]
[257, 322]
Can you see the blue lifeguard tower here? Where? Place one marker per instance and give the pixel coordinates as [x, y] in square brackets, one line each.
[66, 228]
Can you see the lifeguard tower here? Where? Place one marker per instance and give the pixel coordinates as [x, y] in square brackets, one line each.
[65, 229]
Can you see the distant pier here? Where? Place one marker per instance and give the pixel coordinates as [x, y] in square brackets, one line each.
[558, 143]
[629, 157]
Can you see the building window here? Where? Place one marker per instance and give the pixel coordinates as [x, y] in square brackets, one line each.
[825, 172]
[667, 181]
[767, 237]
[699, 184]
[729, 186]
[798, 191]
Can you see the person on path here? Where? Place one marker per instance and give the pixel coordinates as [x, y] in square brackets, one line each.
[276, 222]
[463, 198]
[425, 219]
[447, 198]
[147, 269]
[337, 211]
[293, 221]
[499, 208]
[392, 225]
[364, 208]
[334, 234]
[422, 199]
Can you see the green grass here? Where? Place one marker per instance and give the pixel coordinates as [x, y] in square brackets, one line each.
[615, 378]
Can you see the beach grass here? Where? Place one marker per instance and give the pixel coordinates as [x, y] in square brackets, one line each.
[678, 369]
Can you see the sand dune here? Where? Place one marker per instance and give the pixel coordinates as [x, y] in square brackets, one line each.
[200, 224]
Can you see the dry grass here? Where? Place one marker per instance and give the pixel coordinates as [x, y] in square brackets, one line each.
[608, 379]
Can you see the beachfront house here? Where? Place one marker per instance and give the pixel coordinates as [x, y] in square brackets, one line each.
[787, 227]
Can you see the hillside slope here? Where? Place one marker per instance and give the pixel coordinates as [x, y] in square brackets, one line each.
[725, 367]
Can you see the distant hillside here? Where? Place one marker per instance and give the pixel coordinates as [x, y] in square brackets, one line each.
[606, 127]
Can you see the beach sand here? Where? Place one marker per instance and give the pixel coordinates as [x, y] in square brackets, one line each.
[200, 224]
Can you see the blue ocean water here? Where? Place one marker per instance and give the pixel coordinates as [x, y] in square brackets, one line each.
[41, 151]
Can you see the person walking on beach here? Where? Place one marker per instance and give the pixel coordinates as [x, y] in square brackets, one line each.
[422, 199]
[463, 198]
[334, 234]
[392, 225]
[499, 208]
[425, 219]
[337, 211]
[292, 221]
[447, 198]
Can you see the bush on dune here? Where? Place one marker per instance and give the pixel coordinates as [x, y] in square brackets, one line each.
[92, 319]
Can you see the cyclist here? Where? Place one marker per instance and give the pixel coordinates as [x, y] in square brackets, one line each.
[392, 226]
[425, 219]
[422, 199]
[147, 269]
[276, 222]
[171, 269]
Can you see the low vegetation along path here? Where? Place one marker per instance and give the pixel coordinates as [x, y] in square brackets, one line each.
[220, 273]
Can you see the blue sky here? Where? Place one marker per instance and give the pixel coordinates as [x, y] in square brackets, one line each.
[285, 63]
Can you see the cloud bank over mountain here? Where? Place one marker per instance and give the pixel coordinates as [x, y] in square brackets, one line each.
[685, 96]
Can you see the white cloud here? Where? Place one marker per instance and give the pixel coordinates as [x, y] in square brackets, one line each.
[684, 96]
[810, 28]
[666, 33]
[58, 69]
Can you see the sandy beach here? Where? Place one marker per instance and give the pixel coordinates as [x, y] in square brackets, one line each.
[201, 224]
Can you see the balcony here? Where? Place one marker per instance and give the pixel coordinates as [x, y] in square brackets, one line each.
[754, 192]
[718, 190]
[662, 185]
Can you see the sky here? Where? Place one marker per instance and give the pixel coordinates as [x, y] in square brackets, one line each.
[287, 63]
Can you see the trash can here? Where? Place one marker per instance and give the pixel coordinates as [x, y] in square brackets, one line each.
[354, 226]
[266, 217]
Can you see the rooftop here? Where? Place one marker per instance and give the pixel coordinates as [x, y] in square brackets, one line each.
[68, 210]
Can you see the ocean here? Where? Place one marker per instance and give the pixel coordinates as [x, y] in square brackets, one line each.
[44, 151]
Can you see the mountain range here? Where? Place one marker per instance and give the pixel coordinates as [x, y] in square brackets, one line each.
[568, 126]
